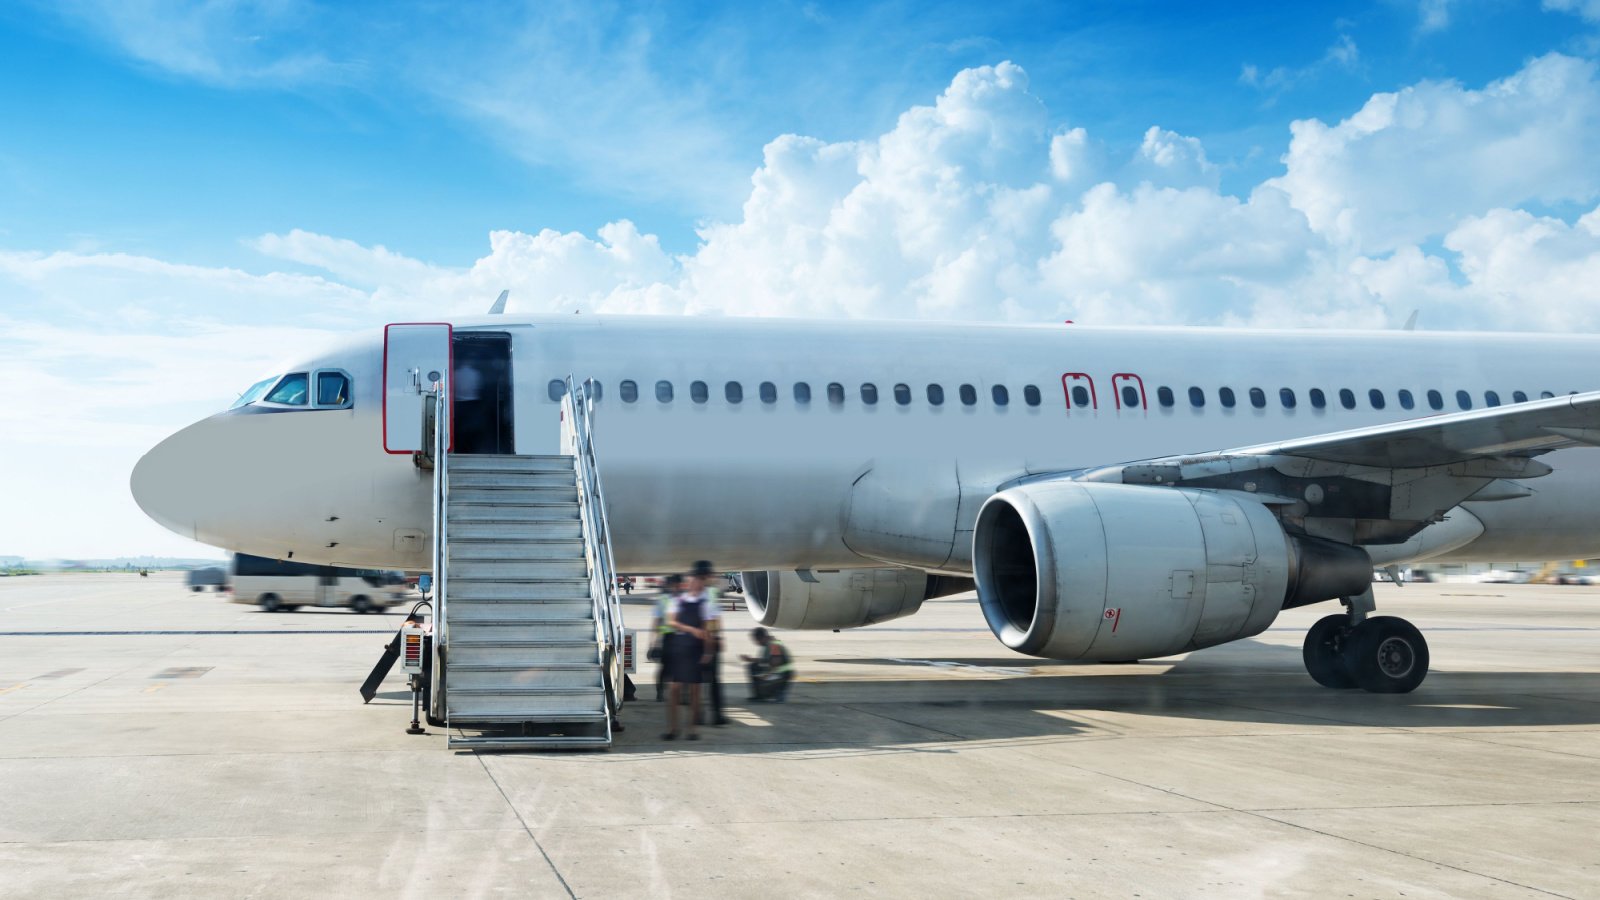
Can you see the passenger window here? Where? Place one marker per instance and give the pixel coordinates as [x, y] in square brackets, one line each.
[1224, 396]
[869, 393]
[1164, 396]
[1347, 398]
[1435, 400]
[333, 389]
[769, 392]
[1319, 400]
[1286, 397]
[935, 395]
[1375, 397]
[836, 394]
[556, 389]
[969, 395]
[734, 391]
[1463, 399]
[1491, 398]
[1519, 396]
[290, 391]
[698, 392]
[1130, 397]
[595, 390]
[1406, 401]
[1000, 394]
[629, 391]
[802, 392]
[664, 391]
[902, 394]
[1197, 397]
[1030, 395]
[1258, 398]
[1080, 396]
[1546, 395]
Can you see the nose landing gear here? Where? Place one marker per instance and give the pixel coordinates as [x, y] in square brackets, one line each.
[1381, 654]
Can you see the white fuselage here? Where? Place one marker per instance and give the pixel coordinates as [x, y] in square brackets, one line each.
[776, 482]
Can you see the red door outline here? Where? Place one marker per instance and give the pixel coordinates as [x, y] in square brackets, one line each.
[450, 383]
[1072, 379]
[1121, 378]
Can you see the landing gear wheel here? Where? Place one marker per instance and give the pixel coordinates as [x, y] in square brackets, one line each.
[1323, 652]
[1386, 655]
[270, 603]
[361, 605]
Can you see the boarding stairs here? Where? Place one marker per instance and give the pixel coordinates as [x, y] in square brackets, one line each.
[527, 621]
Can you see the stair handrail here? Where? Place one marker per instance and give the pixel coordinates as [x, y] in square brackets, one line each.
[578, 406]
[441, 524]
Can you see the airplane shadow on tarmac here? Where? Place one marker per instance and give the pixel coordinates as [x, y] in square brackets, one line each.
[1005, 699]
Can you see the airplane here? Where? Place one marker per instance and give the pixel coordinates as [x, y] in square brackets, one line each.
[1114, 494]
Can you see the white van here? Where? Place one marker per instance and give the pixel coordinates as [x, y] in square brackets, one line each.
[284, 586]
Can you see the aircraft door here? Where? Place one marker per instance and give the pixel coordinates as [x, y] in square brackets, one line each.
[415, 356]
[1129, 391]
[1079, 391]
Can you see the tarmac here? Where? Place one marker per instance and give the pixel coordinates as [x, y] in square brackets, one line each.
[160, 743]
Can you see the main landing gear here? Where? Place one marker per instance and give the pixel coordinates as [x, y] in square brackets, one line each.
[1381, 654]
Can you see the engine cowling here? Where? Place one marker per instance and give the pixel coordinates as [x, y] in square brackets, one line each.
[1081, 570]
[847, 598]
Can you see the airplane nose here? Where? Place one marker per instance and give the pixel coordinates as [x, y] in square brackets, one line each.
[170, 481]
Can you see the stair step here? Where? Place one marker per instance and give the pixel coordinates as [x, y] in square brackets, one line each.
[464, 588]
[509, 480]
[466, 676]
[501, 548]
[527, 512]
[528, 743]
[526, 570]
[532, 611]
[492, 631]
[513, 495]
[547, 705]
[565, 529]
[531, 653]
[474, 462]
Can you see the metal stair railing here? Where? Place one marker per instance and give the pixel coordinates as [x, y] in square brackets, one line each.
[578, 413]
[441, 542]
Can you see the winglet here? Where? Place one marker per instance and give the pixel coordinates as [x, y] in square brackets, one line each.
[1411, 323]
[499, 306]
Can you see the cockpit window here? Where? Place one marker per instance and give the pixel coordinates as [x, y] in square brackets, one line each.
[254, 393]
[291, 391]
[333, 389]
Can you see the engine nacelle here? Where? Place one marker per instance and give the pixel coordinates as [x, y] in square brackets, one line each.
[848, 598]
[1082, 570]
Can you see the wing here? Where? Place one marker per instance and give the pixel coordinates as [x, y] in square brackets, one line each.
[1383, 484]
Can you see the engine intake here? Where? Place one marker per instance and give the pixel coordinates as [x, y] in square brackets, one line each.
[1080, 570]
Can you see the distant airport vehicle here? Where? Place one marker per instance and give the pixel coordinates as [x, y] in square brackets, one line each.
[282, 586]
[214, 577]
[1115, 494]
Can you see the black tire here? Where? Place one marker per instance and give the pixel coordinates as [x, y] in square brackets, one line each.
[270, 603]
[361, 605]
[1386, 655]
[197, 589]
[1323, 652]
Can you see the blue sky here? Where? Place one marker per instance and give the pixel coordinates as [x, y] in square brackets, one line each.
[375, 129]
[190, 191]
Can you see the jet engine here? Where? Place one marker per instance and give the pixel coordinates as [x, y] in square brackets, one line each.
[1082, 570]
[846, 598]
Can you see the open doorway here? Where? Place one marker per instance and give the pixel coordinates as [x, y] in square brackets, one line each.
[481, 373]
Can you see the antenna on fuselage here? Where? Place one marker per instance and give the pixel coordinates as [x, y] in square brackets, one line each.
[499, 306]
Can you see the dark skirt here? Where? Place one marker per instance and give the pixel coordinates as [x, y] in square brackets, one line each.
[682, 658]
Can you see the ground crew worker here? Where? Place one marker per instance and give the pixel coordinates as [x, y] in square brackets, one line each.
[771, 672]
[711, 670]
[663, 631]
